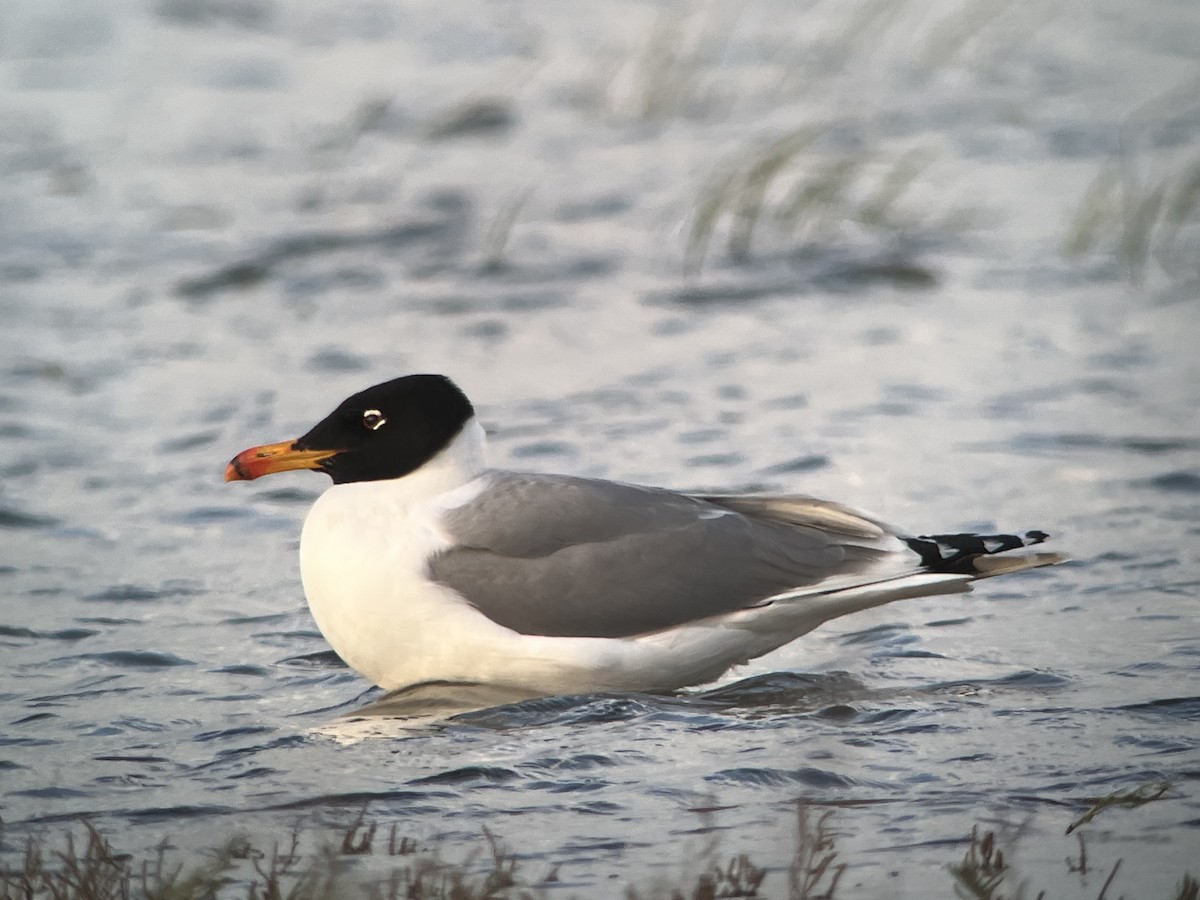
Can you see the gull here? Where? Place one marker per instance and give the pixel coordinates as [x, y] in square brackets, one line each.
[421, 564]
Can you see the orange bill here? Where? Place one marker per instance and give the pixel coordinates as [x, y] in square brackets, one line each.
[271, 458]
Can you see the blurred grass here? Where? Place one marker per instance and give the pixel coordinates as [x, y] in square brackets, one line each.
[360, 862]
[674, 73]
[811, 194]
[1142, 208]
[676, 70]
[835, 179]
[499, 231]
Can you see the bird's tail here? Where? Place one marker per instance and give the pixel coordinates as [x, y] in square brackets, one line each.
[975, 554]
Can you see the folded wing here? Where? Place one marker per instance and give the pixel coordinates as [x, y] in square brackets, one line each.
[562, 556]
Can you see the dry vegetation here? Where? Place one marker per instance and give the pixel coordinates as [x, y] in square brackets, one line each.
[377, 863]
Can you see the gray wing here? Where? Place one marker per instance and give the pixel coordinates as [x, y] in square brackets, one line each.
[555, 555]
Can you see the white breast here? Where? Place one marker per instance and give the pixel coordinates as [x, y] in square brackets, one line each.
[363, 553]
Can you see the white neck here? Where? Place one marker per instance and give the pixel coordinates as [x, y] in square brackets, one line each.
[457, 466]
[460, 462]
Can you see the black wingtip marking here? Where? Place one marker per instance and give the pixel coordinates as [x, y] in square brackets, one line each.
[956, 553]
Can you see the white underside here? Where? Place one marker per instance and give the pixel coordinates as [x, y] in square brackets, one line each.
[362, 559]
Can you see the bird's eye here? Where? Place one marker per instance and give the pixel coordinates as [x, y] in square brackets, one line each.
[373, 420]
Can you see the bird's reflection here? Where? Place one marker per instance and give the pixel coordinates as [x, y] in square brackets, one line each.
[416, 707]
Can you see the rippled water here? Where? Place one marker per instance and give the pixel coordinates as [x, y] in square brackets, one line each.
[218, 219]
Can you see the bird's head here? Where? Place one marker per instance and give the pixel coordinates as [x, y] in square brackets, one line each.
[384, 432]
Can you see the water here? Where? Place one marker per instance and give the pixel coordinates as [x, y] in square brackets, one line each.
[218, 219]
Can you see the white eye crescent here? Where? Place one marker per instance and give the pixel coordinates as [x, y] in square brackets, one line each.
[373, 419]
